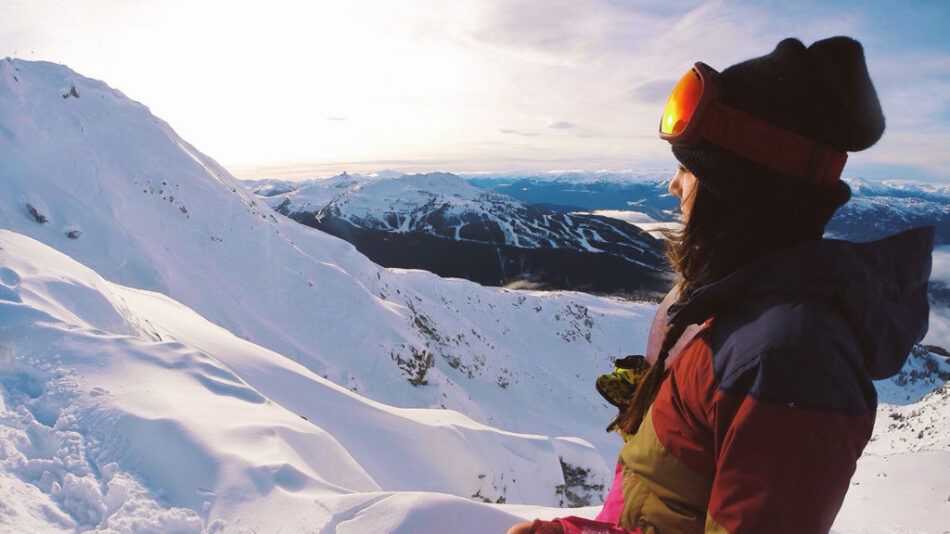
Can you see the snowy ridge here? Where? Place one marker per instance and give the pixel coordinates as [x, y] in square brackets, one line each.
[927, 369]
[445, 205]
[899, 188]
[308, 195]
[879, 209]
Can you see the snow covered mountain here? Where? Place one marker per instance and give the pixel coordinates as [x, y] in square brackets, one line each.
[99, 178]
[444, 204]
[879, 209]
[644, 193]
[441, 223]
[173, 358]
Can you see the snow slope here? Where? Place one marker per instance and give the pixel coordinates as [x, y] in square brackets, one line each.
[99, 178]
[902, 482]
[123, 409]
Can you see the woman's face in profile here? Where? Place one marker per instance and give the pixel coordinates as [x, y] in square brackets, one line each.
[683, 187]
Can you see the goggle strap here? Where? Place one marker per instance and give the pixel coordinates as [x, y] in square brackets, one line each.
[825, 165]
[769, 145]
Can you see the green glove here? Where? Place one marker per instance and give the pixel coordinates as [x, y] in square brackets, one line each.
[618, 387]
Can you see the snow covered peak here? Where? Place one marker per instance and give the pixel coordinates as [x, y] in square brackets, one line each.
[42, 81]
[412, 192]
[378, 201]
[96, 175]
[444, 205]
[431, 184]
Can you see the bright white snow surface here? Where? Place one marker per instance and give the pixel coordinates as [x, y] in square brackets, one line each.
[124, 410]
[117, 399]
[191, 397]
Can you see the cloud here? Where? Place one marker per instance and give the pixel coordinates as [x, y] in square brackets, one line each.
[509, 131]
[581, 84]
[571, 33]
[551, 27]
[652, 92]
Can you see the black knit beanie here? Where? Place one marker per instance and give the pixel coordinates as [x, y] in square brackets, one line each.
[822, 92]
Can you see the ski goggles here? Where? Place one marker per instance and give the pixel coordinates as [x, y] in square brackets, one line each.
[694, 112]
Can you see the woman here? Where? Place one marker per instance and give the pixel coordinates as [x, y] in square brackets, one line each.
[756, 424]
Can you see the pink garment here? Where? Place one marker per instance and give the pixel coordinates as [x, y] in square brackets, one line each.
[579, 525]
[606, 521]
[614, 504]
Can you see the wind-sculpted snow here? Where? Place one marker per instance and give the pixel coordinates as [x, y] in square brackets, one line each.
[133, 413]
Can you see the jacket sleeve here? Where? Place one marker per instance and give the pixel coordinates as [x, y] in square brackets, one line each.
[780, 467]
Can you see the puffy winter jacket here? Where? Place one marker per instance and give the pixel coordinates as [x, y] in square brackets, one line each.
[765, 411]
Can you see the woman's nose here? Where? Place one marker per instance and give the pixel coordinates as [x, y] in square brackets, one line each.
[676, 187]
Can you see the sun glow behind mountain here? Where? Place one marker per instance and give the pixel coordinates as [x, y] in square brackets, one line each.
[293, 89]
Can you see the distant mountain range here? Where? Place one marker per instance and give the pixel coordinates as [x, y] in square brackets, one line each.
[441, 223]
[642, 192]
[549, 230]
[876, 210]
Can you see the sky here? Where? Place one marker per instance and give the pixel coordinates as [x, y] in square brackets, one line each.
[291, 90]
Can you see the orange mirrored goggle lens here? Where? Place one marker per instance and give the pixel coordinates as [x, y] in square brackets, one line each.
[682, 103]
